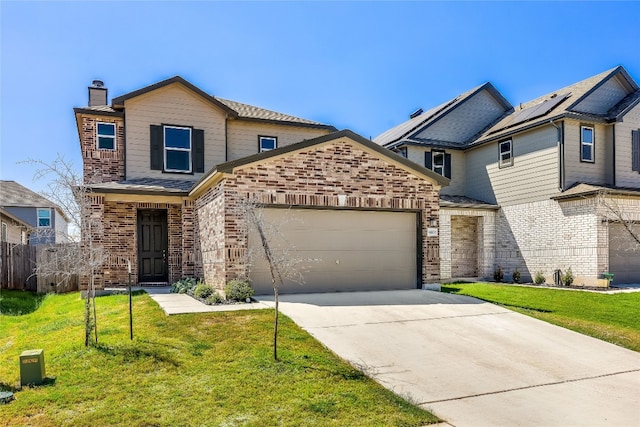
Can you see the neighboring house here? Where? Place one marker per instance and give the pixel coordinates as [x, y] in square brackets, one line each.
[13, 229]
[46, 221]
[168, 163]
[525, 180]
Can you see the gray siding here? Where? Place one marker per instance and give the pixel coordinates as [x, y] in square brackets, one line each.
[598, 172]
[533, 176]
[625, 177]
[174, 105]
[604, 98]
[30, 216]
[465, 121]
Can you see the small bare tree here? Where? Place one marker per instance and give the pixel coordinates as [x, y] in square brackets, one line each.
[615, 211]
[284, 264]
[81, 256]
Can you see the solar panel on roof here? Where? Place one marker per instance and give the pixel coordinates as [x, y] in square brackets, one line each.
[538, 110]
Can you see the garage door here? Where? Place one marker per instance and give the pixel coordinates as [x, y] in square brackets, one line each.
[624, 255]
[344, 250]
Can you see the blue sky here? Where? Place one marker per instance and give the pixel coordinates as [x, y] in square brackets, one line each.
[358, 65]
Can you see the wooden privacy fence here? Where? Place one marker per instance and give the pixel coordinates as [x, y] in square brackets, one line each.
[18, 263]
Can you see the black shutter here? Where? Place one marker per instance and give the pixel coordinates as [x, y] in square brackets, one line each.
[198, 150]
[635, 150]
[447, 165]
[156, 148]
[427, 159]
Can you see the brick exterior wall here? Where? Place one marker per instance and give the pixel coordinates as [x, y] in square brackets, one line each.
[101, 165]
[314, 177]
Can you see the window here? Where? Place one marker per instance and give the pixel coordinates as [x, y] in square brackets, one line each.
[3, 236]
[403, 152]
[267, 143]
[586, 144]
[44, 218]
[439, 162]
[177, 149]
[106, 135]
[506, 153]
[635, 150]
[23, 236]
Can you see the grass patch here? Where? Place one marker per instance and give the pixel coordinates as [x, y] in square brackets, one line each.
[609, 317]
[17, 303]
[210, 369]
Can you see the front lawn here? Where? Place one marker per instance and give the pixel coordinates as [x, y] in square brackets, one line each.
[212, 369]
[610, 317]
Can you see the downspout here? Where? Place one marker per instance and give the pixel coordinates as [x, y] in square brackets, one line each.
[226, 138]
[560, 144]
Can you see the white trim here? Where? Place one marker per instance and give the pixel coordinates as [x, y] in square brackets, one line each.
[591, 144]
[433, 162]
[4, 232]
[502, 162]
[263, 137]
[189, 150]
[98, 135]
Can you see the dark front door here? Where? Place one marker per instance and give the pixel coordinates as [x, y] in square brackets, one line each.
[152, 246]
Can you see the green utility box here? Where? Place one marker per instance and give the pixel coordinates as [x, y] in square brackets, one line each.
[32, 367]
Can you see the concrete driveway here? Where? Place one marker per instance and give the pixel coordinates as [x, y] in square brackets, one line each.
[473, 363]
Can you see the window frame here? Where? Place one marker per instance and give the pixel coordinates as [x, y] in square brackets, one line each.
[38, 217]
[4, 232]
[501, 161]
[591, 144]
[265, 137]
[165, 149]
[402, 151]
[433, 162]
[99, 135]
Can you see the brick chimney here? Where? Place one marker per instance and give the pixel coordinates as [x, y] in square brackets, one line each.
[97, 93]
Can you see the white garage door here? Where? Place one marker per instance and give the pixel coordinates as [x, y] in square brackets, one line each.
[344, 250]
[624, 254]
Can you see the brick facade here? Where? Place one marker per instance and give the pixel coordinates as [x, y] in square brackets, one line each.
[101, 165]
[313, 177]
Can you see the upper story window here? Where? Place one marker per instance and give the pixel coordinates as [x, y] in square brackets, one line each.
[267, 143]
[586, 144]
[439, 162]
[403, 152]
[177, 149]
[106, 136]
[506, 153]
[44, 218]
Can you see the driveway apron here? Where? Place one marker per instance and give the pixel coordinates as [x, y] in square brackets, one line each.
[473, 363]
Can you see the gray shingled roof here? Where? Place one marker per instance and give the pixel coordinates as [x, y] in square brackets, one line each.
[253, 112]
[146, 185]
[582, 189]
[17, 195]
[464, 202]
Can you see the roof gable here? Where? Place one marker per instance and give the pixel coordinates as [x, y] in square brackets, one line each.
[13, 194]
[605, 95]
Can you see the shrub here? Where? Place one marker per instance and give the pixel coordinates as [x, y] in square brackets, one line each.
[498, 275]
[184, 285]
[516, 276]
[238, 290]
[567, 277]
[203, 291]
[215, 298]
[539, 279]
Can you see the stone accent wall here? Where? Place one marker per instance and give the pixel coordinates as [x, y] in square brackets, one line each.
[314, 177]
[101, 165]
[486, 242]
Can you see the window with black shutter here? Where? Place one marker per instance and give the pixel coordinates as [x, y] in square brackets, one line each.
[635, 150]
[177, 149]
[439, 162]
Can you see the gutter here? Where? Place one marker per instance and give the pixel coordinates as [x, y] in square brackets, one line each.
[560, 144]
[613, 137]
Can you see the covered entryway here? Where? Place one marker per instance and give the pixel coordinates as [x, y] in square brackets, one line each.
[345, 250]
[464, 246]
[624, 254]
[152, 246]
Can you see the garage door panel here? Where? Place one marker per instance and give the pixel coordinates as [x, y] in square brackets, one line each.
[353, 250]
[624, 254]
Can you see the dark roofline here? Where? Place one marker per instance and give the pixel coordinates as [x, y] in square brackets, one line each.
[14, 218]
[119, 101]
[458, 102]
[288, 123]
[81, 110]
[229, 166]
[142, 192]
[618, 70]
[613, 191]
[427, 143]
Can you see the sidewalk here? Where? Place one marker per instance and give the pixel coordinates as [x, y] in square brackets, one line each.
[183, 303]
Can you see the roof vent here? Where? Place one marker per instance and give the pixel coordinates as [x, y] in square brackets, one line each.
[416, 113]
[97, 93]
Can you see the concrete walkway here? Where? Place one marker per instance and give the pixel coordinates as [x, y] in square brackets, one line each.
[473, 363]
[182, 303]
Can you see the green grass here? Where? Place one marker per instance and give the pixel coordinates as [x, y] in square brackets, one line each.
[15, 303]
[610, 317]
[212, 369]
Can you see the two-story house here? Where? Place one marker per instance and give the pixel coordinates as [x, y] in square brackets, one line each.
[29, 217]
[533, 186]
[168, 164]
